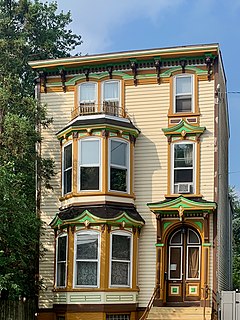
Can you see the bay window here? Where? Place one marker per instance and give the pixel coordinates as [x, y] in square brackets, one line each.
[67, 169]
[121, 243]
[119, 165]
[183, 168]
[89, 164]
[87, 259]
[61, 260]
[183, 93]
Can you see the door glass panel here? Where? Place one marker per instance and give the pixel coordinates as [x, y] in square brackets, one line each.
[175, 268]
[177, 238]
[193, 237]
[193, 263]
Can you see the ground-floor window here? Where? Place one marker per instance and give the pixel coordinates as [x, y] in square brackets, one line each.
[118, 316]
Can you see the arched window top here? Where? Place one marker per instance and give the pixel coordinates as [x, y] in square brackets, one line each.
[193, 237]
[176, 238]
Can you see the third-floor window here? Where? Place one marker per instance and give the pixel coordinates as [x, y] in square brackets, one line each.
[183, 93]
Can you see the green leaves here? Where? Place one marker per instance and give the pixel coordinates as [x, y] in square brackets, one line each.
[29, 30]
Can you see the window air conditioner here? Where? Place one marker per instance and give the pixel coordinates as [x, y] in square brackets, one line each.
[184, 187]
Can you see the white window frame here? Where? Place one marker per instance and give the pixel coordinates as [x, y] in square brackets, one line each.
[126, 234]
[194, 164]
[75, 285]
[119, 166]
[90, 166]
[119, 90]
[185, 75]
[199, 261]
[56, 260]
[94, 102]
[63, 171]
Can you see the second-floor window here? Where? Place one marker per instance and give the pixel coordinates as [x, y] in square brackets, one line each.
[61, 260]
[119, 165]
[67, 169]
[183, 93]
[183, 168]
[89, 164]
[87, 259]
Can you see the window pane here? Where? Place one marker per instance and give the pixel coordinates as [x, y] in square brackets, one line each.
[67, 181]
[183, 103]
[89, 178]
[183, 155]
[110, 90]
[120, 273]
[193, 262]
[118, 153]
[61, 274]
[68, 157]
[87, 246]
[118, 179]
[183, 85]
[175, 263]
[183, 175]
[87, 92]
[121, 247]
[192, 237]
[177, 238]
[86, 273]
[90, 152]
[62, 243]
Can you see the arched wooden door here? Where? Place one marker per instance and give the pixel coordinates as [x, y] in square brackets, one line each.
[184, 261]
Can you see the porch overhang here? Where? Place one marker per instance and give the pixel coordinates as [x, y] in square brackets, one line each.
[182, 206]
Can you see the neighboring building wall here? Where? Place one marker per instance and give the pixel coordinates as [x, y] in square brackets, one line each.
[59, 106]
[224, 214]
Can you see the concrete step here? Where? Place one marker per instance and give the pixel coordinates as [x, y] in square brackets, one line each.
[179, 313]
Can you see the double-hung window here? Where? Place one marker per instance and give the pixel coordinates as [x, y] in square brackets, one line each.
[88, 97]
[183, 168]
[110, 97]
[61, 260]
[89, 164]
[87, 259]
[121, 244]
[119, 165]
[67, 169]
[183, 93]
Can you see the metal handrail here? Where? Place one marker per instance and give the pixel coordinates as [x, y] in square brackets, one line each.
[206, 289]
[150, 303]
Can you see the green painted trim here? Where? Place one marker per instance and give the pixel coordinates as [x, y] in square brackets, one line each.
[198, 71]
[125, 130]
[181, 127]
[206, 244]
[199, 224]
[166, 224]
[92, 219]
[183, 202]
[159, 244]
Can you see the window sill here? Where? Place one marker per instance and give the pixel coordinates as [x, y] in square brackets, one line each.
[183, 114]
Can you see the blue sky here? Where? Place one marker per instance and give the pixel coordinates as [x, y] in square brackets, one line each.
[120, 25]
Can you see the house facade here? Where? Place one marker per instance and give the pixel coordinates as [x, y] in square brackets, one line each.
[139, 206]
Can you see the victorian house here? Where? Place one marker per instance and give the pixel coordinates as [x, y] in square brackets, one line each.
[139, 212]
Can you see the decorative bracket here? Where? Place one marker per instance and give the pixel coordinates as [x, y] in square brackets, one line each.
[43, 79]
[110, 70]
[63, 78]
[180, 213]
[209, 63]
[86, 72]
[134, 70]
[132, 139]
[158, 65]
[183, 64]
